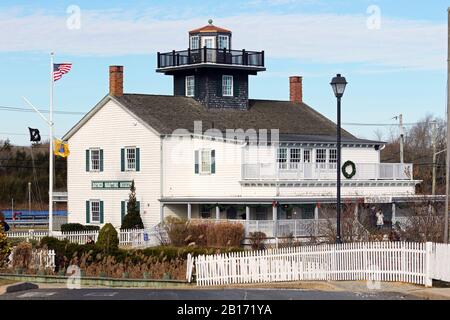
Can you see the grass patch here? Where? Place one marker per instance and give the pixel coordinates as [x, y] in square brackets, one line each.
[4, 282]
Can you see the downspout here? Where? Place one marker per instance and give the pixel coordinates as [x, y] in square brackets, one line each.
[161, 172]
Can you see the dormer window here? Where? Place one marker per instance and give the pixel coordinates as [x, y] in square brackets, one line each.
[195, 42]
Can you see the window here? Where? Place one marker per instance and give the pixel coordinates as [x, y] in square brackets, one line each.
[321, 158]
[205, 161]
[227, 86]
[95, 159]
[195, 42]
[294, 158]
[190, 86]
[332, 158]
[95, 211]
[205, 212]
[307, 156]
[130, 159]
[223, 42]
[282, 158]
[261, 213]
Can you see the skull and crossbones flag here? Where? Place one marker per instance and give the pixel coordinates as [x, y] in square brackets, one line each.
[34, 135]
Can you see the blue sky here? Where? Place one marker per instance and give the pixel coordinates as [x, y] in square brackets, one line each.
[393, 54]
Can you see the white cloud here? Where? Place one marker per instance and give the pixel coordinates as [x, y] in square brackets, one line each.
[319, 38]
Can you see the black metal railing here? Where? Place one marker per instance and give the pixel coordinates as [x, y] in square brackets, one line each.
[208, 55]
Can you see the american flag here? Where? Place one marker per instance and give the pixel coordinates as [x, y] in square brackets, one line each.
[59, 69]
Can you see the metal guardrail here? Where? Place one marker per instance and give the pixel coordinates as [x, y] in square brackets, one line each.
[210, 55]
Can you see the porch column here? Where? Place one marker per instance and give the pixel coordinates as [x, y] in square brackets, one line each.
[356, 211]
[217, 213]
[189, 211]
[275, 218]
[161, 213]
[316, 221]
[247, 219]
[393, 213]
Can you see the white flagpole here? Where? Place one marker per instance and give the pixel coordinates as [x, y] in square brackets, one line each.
[51, 157]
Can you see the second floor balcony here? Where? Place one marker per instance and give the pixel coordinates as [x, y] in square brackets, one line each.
[226, 57]
[324, 171]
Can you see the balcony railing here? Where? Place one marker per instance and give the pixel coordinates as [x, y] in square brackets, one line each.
[325, 171]
[208, 55]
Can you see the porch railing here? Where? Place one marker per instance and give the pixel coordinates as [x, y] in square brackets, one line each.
[325, 171]
[210, 55]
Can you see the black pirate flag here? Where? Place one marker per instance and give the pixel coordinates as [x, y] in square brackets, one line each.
[34, 135]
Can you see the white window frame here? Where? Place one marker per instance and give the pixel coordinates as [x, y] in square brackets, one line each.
[332, 161]
[294, 163]
[223, 39]
[91, 160]
[190, 87]
[282, 158]
[323, 159]
[95, 202]
[227, 79]
[304, 158]
[127, 162]
[205, 161]
[194, 40]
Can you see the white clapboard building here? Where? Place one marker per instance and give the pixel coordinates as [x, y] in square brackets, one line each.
[210, 152]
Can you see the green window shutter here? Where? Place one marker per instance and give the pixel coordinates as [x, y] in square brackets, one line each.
[101, 212]
[101, 159]
[213, 161]
[122, 209]
[138, 159]
[219, 86]
[235, 87]
[138, 205]
[196, 162]
[87, 160]
[88, 213]
[122, 159]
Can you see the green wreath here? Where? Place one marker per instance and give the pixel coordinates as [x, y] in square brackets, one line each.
[344, 169]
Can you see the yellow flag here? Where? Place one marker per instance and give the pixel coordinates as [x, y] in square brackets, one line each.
[61, 148]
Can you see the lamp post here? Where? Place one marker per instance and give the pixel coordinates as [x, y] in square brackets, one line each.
[338, 84]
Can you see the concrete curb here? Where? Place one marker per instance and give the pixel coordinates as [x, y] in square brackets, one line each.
[98, 281]
[21, 286]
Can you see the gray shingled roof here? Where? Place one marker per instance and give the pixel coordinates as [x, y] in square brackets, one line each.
[295, 121]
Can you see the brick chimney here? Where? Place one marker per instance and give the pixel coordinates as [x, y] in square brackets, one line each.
[116, 81]
[295, 89]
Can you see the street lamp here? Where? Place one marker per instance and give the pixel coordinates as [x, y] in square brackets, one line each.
[338, 84]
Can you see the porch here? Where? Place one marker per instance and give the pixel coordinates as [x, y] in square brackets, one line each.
[325, 171]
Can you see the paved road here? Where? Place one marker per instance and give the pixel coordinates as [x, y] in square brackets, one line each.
[200, 294]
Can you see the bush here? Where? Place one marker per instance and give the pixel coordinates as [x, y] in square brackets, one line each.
[205, 234]
[22, 255]
[132, 219]
[5, 247]
[108, 239]
[72, 227]
[257, 240]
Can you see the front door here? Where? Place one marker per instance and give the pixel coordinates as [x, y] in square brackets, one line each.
[210, 44]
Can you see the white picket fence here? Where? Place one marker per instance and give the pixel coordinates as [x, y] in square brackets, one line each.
[136, 238]
[440, 261]
[375, 261]
[41, 259]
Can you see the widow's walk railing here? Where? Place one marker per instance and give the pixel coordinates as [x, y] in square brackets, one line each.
[210, 55]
